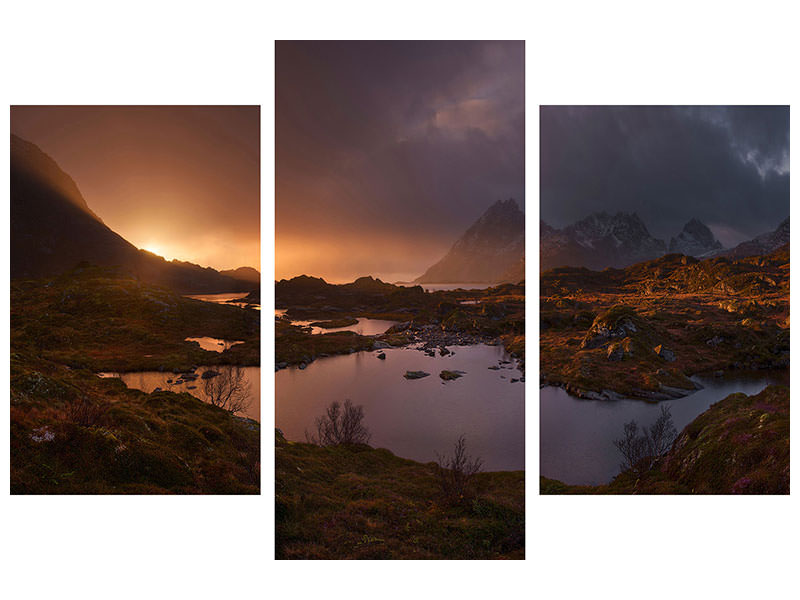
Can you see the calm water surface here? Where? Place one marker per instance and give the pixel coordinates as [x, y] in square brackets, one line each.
[213, 344]
[576, 435]
[415, 419]
[224, 299]
[363, 327]
[147, 381]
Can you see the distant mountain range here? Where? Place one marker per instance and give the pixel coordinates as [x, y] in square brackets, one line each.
[602, 240]
[492, 250]
[53, 230]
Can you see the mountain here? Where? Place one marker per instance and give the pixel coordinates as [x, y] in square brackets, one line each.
[243, 274]
[599, 241]
[695, 240]
[763, 244]
[53, 230]
[492, 246]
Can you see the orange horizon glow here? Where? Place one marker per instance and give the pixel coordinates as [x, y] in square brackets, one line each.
[180, 182]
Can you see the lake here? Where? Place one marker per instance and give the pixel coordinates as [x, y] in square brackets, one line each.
[147, 381]
[576, 435]
[415, 419]
[224, 299]
[363, 327]
[213, 344]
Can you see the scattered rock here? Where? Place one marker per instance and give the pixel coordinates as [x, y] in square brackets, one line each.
[664, 353]
[450, 375]
[415, 374]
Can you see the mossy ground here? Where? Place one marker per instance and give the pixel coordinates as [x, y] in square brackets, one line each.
[714, 315]
[349, 502]
[75, 433]
[498, 313]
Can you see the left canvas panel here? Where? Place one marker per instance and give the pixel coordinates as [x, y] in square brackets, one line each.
[135, 300]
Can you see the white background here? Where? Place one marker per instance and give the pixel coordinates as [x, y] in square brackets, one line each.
[145, 52]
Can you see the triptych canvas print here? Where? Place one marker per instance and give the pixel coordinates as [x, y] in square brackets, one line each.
[392, 410]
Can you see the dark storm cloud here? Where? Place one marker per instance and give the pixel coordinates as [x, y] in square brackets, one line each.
[409, 141]
[727, 166]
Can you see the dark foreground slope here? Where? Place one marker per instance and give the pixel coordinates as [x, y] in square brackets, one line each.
[360, 502]
[53, 230]
[740, 445]
[73, 432]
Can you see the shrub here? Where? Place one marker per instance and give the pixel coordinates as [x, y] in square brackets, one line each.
[456, 472]
[341, 425]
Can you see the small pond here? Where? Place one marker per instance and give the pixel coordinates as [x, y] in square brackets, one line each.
[418, 418]
[148, 381]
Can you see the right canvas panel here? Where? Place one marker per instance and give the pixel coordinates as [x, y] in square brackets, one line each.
[664, 308]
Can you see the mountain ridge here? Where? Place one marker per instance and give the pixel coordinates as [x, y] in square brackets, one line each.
[53, 230]
[493, 245]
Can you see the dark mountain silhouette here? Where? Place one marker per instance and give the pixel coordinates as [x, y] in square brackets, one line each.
[762, 244]
[243, 274]
[53, 230]
[491, 248]
[695, 239]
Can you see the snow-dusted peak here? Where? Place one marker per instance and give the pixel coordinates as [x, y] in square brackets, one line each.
[695, 239]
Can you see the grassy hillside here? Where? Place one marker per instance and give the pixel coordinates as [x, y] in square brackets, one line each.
[360, 502]
[73, 432]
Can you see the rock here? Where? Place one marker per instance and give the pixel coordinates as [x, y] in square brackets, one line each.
[382, 356]
[494, 368]
[514, 380]
[715, 341]
[443, 351]
[615, 352]
[191, 387]
[209, 374]
[302, 366]
[664, 353]
[158, 389]
[415, 374]
[450, 375]
[380, 345]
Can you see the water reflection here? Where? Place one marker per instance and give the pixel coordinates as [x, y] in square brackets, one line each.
[148, 381]
[419, 418]
[213, 344]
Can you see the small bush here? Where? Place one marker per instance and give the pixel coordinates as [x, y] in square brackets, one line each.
[341, 425]
[456, 472]
[85, 412]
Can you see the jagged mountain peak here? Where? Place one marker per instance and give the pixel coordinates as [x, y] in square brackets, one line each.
[489, 248]
[696, 239]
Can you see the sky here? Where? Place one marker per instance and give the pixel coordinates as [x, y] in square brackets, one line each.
[182, 182]
[386, 152]
[727, 166]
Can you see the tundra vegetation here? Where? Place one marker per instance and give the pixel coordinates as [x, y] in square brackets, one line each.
[74, 432]
[643, 331]
[336, 497]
